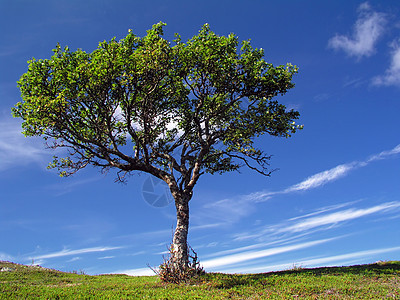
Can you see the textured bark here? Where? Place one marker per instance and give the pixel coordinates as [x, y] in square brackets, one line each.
[179, 243]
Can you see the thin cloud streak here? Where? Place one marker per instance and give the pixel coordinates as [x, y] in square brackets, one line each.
[70, 184]
[311, 223]
[15, 149]
[324, 210]
[337, 217]
[250, 255]
[337, 172]
[323, 178]
[335, 260]
[5, 257]
[136, 272]
[106, 257]
[368, 28]
[231, 210]
[384, 154]
[67, 252]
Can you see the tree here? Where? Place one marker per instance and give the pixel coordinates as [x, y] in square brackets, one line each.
[173, 111]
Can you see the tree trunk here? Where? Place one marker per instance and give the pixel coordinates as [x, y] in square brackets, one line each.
[179, 244]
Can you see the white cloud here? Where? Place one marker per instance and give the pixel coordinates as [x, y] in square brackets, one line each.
[233, 209]
[337, 172]
[368, 28]
[15, 149]
[336, 260]
[317, 221]
[322, 178]
[69, 184]
[250, 255]
[336, 217]
[235, 250]
[334, 173]
[324, 210]
[392, 74]
[68, 252]
[74, 259]
[226, 210]
[384, 154]
[206, 226]
[136, 272]
[5, 257]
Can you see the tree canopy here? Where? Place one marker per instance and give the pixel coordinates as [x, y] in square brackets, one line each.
[173, 110]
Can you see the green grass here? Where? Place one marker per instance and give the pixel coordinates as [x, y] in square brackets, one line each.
[373, 281]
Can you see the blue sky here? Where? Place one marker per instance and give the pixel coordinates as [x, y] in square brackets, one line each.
[335, 199]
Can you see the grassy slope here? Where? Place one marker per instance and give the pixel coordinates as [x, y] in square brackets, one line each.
[374, 281]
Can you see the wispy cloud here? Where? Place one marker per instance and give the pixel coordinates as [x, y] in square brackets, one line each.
[8, 51]
[335, 218]
[15, 149]
[69, 184]
[337, 172]
[74, 259]
[228, 210]
[323, 178]
[287, 235]
[323, 219]
[368, 28]
[353, 82]
[5, 257]
[68, 252]
[384, 154]
[336, 260]
[106, 257]
[135, 272]
[230, 260]
[323, 210]
[232, 209]
[392, 74]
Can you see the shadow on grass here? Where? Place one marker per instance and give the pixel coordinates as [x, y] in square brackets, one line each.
[227, 281]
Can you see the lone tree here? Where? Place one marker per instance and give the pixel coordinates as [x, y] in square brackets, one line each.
[173, 111]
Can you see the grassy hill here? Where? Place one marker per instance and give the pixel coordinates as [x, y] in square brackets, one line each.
[373, 281]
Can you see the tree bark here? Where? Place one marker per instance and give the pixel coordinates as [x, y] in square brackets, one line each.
[179, 244]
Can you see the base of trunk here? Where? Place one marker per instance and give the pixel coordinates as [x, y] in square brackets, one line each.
[174, 271]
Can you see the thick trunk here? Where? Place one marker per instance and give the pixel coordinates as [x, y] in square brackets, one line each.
[179, 243]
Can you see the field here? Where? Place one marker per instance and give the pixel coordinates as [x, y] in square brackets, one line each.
[374, 281]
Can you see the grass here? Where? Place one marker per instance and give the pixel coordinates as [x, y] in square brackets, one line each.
[373, 281]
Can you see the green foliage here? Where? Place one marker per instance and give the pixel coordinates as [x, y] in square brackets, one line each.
[374, 281]
[206, 99]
